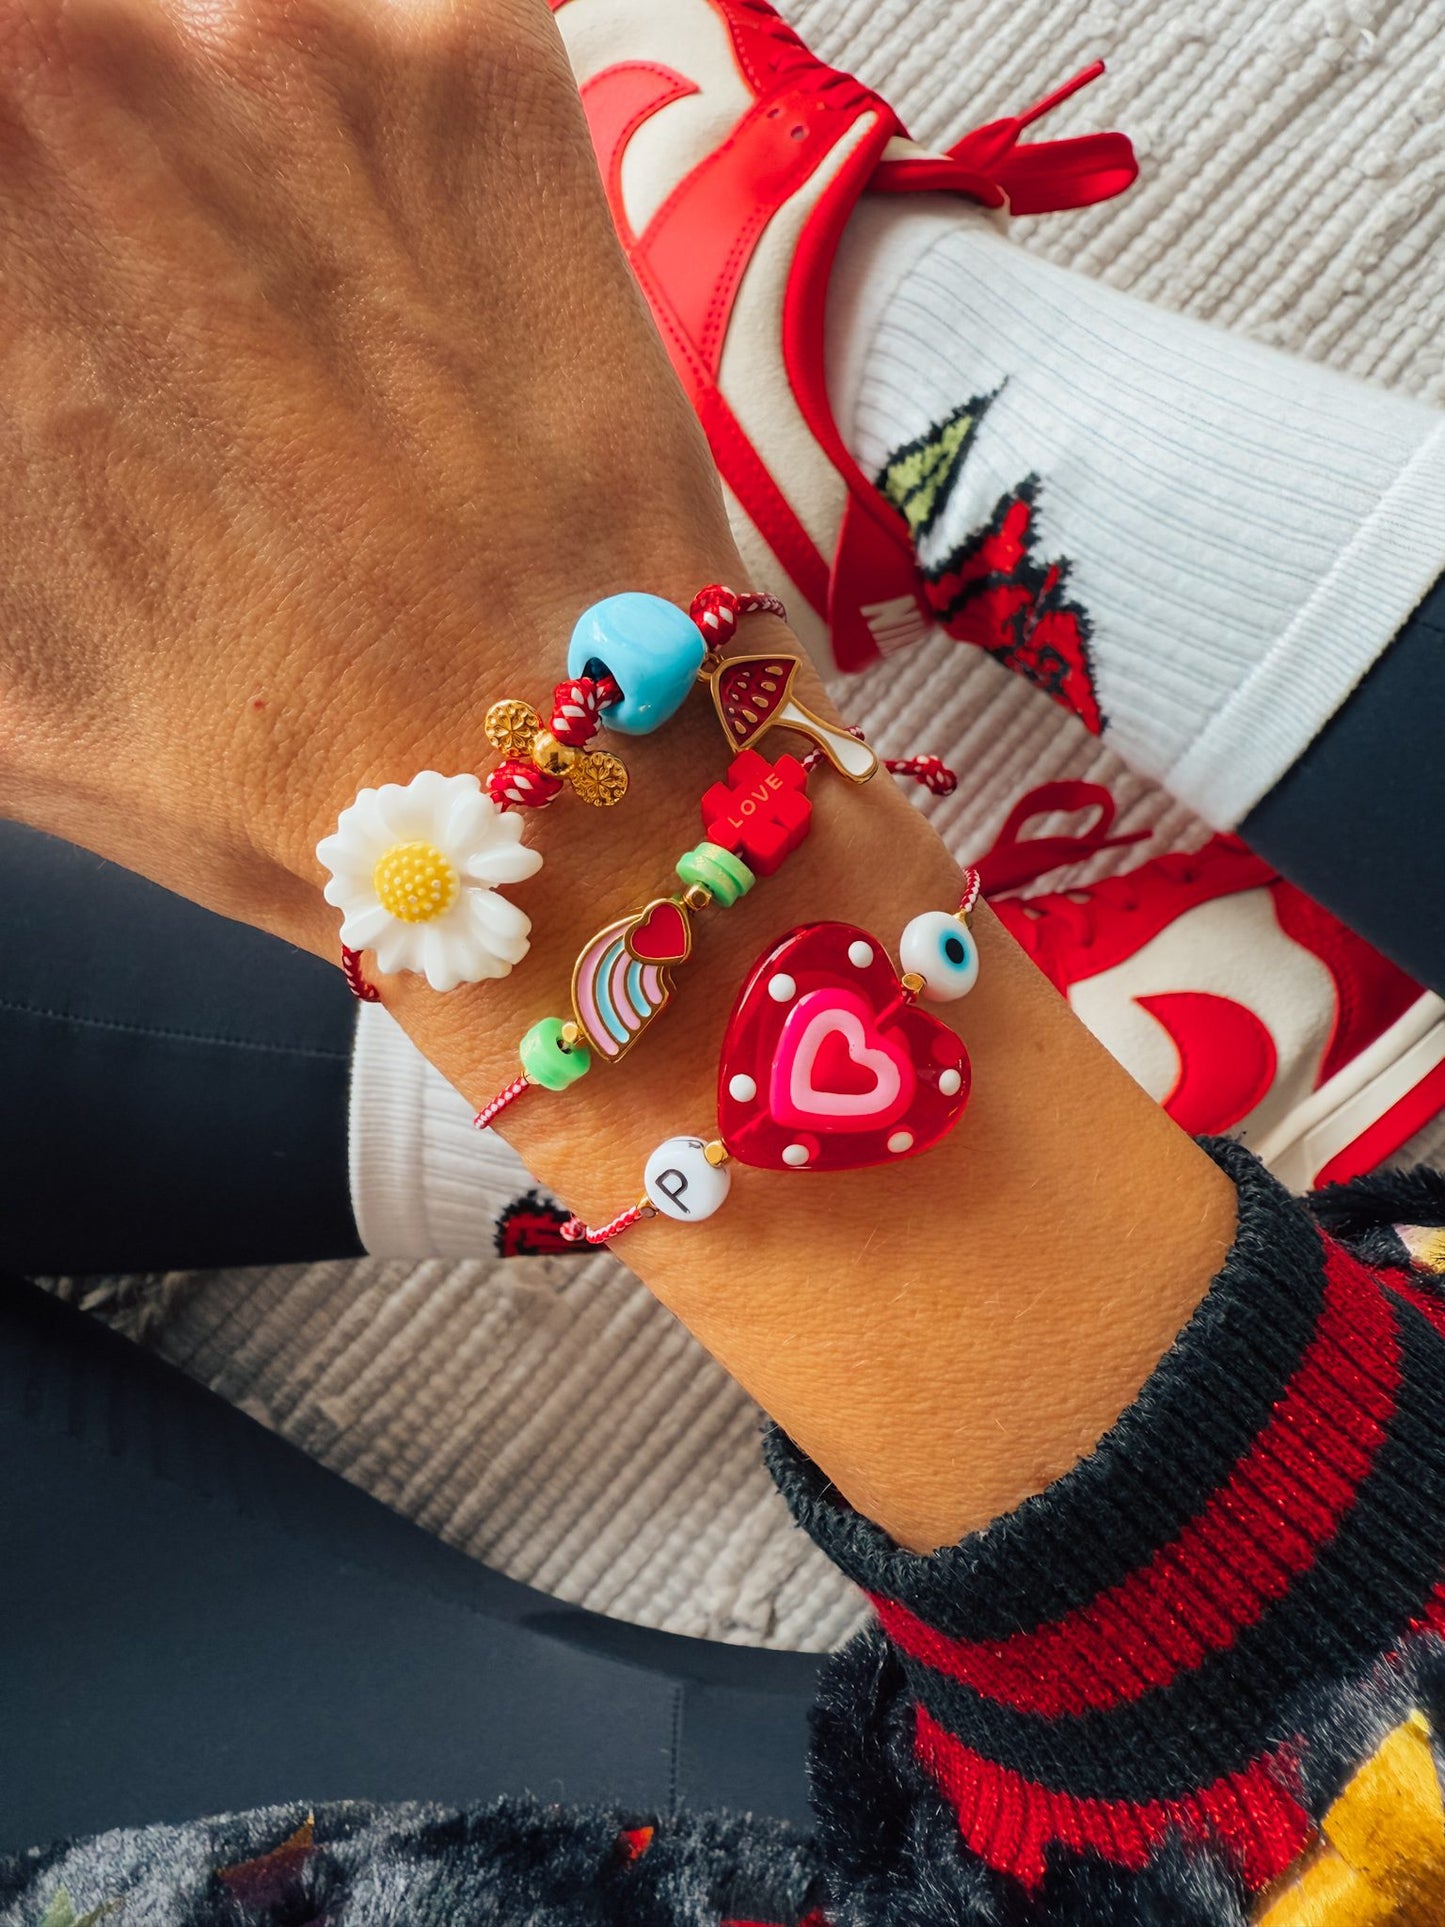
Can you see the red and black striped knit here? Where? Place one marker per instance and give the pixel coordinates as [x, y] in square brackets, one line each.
[1173, 1659]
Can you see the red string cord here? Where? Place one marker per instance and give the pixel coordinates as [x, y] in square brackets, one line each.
[718, 611]
[355, 976]
[494, 1107]
[931, 771]
[577, 1232]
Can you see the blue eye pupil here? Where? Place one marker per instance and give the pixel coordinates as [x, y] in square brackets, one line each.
[954, 950]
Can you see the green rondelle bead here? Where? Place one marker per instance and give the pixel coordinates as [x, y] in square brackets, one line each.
[718, 870]
[548, 1061]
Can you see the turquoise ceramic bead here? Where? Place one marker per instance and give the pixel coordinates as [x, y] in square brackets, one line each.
[547, 1061]
[718, 870]
[651, 649]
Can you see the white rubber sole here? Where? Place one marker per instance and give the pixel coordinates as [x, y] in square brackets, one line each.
[1320, 1132]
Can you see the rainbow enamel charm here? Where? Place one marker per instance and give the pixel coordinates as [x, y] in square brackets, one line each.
[622, 978]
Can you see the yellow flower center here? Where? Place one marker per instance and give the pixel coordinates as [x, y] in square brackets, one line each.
[415, 882]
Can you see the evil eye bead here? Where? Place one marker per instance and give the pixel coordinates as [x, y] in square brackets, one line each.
[550, 1058]
[651, 649]
[686, 1179]
[941, 950]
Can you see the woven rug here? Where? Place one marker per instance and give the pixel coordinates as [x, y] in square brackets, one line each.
[545, 1414]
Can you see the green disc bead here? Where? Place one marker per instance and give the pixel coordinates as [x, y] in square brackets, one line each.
[548, 1061]
[718, 870]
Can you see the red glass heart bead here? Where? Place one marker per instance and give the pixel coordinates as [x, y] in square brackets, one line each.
[828, 1066]
[761, 813]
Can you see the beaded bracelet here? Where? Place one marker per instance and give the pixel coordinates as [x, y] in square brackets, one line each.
[622, 978]
[827, 1064]
[416, 867]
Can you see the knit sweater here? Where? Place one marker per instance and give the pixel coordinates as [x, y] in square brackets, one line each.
[1195, 1681]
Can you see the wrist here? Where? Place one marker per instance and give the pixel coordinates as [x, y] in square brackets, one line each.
[599, 865]
[876, 1315]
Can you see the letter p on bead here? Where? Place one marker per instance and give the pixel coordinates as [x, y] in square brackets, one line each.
[687, 1179]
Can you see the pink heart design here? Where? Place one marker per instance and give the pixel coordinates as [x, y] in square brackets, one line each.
[829, 1065]
[821, 1019]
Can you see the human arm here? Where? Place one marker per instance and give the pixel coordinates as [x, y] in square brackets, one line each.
[330, 404]
[321, 425]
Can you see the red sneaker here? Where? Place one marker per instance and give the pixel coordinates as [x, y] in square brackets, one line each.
[732, 159]
[1244, 1007]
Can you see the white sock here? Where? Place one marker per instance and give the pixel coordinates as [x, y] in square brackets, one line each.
[424, 1182]
[1242, 532]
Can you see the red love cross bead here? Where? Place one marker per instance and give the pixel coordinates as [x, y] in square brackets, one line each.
[761, 813]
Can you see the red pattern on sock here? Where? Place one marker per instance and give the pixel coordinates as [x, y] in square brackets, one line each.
[1011, 1822]
[1259, 1532]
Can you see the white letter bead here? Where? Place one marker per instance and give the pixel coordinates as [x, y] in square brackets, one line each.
[941, 950]
[681, 1183]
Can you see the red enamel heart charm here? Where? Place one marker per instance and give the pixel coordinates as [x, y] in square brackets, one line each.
[662, 934]
[827, 1065]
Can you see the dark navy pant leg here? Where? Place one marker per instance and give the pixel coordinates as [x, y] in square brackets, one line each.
[173, 1086]
[1359, 822]
[195, 1618]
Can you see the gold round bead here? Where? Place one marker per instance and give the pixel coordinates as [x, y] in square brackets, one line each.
[550, 756]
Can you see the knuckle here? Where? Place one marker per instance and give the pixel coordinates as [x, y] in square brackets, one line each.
[274, 39]
[481, 38]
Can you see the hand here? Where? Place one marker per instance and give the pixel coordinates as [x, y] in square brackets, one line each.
[329, 402]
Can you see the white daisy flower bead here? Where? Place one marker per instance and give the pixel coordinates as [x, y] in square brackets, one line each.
[414, 869]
